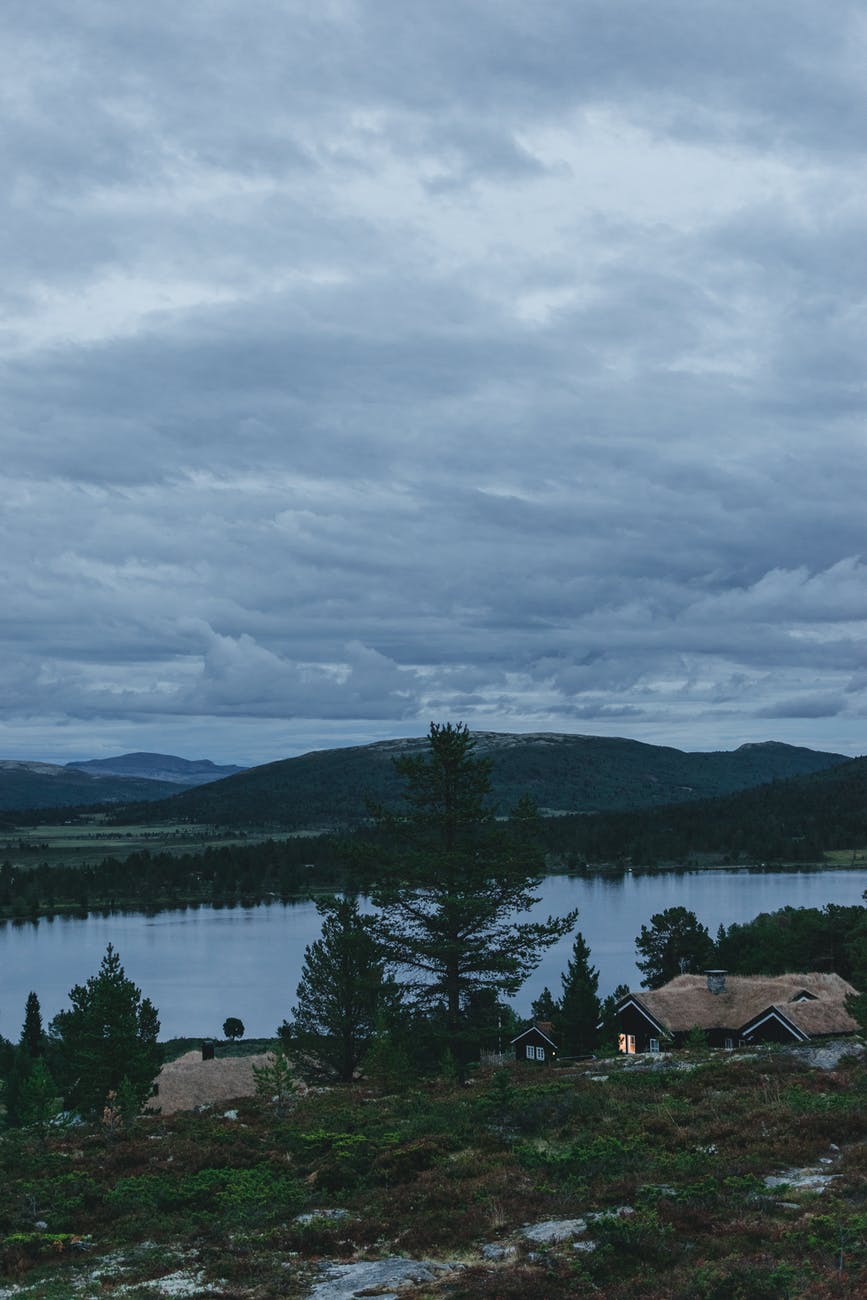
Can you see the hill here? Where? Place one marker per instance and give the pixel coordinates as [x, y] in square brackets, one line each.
[47, 785]
[793, 820]
[329, 789]
[158, 767]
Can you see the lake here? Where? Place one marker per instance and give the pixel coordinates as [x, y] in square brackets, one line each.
[200, 965]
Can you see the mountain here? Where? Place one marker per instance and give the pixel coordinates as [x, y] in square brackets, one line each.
[795, 820]
[564, 773]
[159, 767]
[26, 785]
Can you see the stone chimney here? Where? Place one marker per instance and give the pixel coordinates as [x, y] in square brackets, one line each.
[716, 981]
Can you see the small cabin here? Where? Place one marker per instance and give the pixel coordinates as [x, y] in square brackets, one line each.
[536, 1043]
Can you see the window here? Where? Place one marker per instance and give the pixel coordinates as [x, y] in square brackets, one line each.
[531, 1052]
[540, 1053]
[654, 1044]
[729, 1044]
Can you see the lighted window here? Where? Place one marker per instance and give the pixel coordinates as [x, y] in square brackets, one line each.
[621, 1042]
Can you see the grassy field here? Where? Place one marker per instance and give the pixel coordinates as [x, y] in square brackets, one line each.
[666, 1168]
[91, 839]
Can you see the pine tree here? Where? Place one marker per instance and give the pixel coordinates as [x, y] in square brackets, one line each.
[447, 917]
[676, 943]
[110, 1033]
[579, 1009]
[545, 1008]
[342, 988]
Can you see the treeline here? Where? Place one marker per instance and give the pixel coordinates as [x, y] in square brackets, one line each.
[222, 877]
[786, 821]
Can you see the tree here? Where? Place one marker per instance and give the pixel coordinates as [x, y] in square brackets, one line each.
[579, 1008]
[545, 1007]
[676, 943]
[109, 1035]
[32, 1037]
[233, 1028]
[342, 987]
[457, 881]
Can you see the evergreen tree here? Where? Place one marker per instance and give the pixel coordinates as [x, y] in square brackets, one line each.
[579, 1005]
[342, 987]
[109, 1034]
[39, 1100]
[32, 1036]
[447, 915]
[675, 944]
[545, 1008]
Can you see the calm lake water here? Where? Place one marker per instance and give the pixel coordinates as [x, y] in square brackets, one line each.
[200, 965]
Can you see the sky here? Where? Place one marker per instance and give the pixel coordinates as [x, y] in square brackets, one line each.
[368, 363]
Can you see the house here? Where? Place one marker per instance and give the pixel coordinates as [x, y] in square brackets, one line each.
[735, 1010]
[536, 1043]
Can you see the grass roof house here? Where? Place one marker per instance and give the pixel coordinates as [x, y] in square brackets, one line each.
[735, 1010]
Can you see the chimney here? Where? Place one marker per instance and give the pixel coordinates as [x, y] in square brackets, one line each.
[716, 981]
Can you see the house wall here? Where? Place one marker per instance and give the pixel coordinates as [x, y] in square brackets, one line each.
[536, 1040]
[632, 1022]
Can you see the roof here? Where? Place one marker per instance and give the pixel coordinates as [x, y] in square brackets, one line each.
[543, 1027]
[686, 1001]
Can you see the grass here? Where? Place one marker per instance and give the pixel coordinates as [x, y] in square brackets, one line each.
[440, 1170]
[91, 839]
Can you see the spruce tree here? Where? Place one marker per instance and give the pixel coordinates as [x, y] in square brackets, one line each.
[32, 1036]
[579, 1009]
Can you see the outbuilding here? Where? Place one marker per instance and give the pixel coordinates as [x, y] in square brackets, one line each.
[536, 1043]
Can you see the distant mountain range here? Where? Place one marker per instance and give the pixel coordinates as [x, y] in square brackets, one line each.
[159, 767]
[130, 778]
[330, 789]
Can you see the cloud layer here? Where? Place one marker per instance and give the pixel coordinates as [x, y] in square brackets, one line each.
[370, 363]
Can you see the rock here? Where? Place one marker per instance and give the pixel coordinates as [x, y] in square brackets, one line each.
[584, 1245]
[40, 1225]
[551, 1230]
[331, 1216]
[495, 1251]
[230, 1114]
[369, 1277]
[829, 1055]
[802, 1180]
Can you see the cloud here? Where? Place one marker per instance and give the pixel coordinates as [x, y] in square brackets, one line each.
[367, 364]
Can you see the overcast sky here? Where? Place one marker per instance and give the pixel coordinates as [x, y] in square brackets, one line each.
[367, 363]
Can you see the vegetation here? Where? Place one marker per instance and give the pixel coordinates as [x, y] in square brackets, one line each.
[107, 1042]
[342, 993]
[440, 1170]
[675, 943]
[233, 1028]
[454, 884]
[331, 789]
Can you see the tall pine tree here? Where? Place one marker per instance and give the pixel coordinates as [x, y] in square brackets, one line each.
[459, 881]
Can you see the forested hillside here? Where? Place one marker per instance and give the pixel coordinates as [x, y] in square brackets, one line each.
[331, 788]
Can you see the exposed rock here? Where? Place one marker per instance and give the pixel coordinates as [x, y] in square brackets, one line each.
[828, 1056]
[495, 1251]
[554, 1230]
[802, 1180]
[369, 1277]
[332, 1216]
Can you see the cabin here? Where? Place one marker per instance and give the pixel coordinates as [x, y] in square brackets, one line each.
[536, 1043]
[735, 1011]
